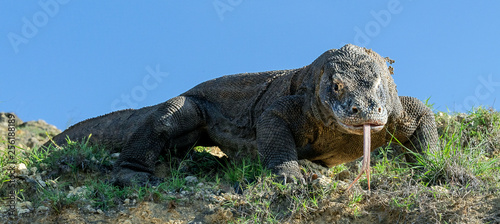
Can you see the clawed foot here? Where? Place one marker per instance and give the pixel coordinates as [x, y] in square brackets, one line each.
[290, 173]
[128, 177]
[295, 179]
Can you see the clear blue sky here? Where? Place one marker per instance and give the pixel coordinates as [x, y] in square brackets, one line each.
[65, 61]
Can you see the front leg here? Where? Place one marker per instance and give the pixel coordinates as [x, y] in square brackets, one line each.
[275, 140]
[419, 125]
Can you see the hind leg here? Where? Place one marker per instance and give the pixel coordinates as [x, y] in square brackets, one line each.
[177, 117]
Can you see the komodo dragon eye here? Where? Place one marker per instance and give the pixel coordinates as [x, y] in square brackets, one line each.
[337, 87]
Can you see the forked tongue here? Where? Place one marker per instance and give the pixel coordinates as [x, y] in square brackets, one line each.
[366, 156]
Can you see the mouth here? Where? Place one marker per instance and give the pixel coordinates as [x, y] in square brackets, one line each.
[358, 128]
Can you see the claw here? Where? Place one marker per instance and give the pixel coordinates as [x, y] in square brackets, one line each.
[366, 156]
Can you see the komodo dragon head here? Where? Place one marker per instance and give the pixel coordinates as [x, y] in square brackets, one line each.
[353, 87]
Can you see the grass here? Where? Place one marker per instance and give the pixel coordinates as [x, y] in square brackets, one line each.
[467, 156]
[438, 187]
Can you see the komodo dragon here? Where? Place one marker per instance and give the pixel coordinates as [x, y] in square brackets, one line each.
[316, 112]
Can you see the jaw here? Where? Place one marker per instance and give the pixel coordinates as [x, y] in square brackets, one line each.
[357, 129]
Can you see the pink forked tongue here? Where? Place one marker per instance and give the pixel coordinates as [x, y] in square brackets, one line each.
[366, 156]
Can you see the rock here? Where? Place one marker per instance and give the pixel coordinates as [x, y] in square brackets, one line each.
[115, 155]
[342, 185]
[440, 190]
[321, 182]
[21, 211]
[29, 134]
[134, 195]
[226, 196]
[219, 216]
[200, 184]
[39, 180]
[42, 209]
[461, 117]
[126, 201]
[127, 221]
[191, 179]
[78, 192]
[25, 204]
[89, 209]
[33, 142]
[99, 211]
[21, 169]
[344, 175]
[40, 127]
[24, 207]
[4, 119]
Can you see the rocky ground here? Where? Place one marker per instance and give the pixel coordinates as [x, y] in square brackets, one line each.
[29, 134]
[69, 185]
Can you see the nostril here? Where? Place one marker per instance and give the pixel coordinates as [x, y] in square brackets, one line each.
[354, 110]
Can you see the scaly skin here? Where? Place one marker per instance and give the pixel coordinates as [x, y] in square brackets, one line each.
[316, 112]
